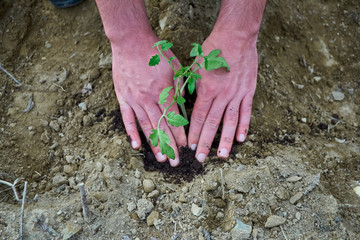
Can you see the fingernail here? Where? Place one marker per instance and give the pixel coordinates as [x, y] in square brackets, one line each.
[174, 162]
[201, 157]
[241, 137]
[223, 152]
[134, 144]
[193, 146]
[160, 157]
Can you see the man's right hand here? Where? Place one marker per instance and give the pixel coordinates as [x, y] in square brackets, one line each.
[138, 86]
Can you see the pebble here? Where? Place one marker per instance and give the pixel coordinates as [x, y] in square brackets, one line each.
[241, 231]
[105, 61]
[294, 179]
[86, 120]
[148, 185]
[296, 197]
[69, 159]
[338, 96]
[298, 215]
[220, 215]
[182, 198]
[196, 210]
[55, 125]
[220, 203]
[154, 194]
[59, 180]
[131, 206]
[274, 221]
[144, 206]
[185, 189]
[83, 106]
[154, 215]
[68, 170]
[283, 194]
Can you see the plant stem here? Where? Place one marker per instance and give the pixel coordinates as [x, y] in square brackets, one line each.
[164, 113]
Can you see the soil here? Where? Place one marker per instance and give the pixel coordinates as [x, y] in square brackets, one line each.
[301, 160]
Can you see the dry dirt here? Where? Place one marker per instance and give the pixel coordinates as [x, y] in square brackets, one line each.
[308, 53]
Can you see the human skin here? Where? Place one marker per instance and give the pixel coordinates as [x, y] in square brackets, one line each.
[137, 85]
[227, 95]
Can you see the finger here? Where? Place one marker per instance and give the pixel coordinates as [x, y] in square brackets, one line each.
[200, 111]
[130, 125]
[154, 114]
[244, 119]
[209, 129]
[230, 122]
[146, 127]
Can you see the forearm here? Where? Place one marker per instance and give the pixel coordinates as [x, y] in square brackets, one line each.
[123, 18]
[241, 17]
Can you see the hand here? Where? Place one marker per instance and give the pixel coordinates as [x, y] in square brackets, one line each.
[137, 87]
[221, 93]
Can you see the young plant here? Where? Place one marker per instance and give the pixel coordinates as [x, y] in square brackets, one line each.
[210, 62]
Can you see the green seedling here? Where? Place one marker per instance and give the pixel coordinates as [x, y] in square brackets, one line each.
[210, 62]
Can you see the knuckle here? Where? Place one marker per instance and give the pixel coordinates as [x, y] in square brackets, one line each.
[233, 114]
[199, 118]
[213, 123]
[227, 140]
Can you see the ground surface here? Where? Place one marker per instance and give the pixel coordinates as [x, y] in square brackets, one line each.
[301, 128]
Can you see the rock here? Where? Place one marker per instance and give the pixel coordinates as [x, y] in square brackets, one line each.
[86, 120]
[241, 231]
[105, 61]
[131, 206]
[220, 203]
[144, 206]
[357, 190]
[196, 210]
[220, 215]
[69, 159]
[154, 194]
[70, 230]
[154, 215]
[296, 197]
[162, 23]
[298, 215]
[55, 125]
[282, 193]
[274, 221]
[338, 96]
[182, 198]
[148, 185]
[294, 179]
[83, 106]
[68, 170]
[59, 180]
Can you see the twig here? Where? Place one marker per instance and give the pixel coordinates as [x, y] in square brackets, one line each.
[22, 212]
[12, 187]
[282, 230]
[222, 183]
[86, 211]
[11, 76]
[57, 85]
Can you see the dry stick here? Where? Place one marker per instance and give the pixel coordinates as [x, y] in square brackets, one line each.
[12, 187]
[222, 184]
[22, 212]
[86, 211]
[283, 233]
[11, 76]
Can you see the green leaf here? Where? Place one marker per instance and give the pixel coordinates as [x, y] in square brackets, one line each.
[178, 73]
[164, 144]
[165, 45]
[198, 65]
[154, 60]
[154, 137]
[214, 62]
[159, 43]
[176, 119]
[172, 58]
[196, 76]
[180, 100]
[186, 71]
[164, 94]
[191, 85]
[196, 50]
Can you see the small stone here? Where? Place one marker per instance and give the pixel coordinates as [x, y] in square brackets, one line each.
[274, 221]
[105, 61]
[94, 74]
[182, 198]
[196, 210]
[296, 197]
[162, 23]
[70, 230]
[304, 120]
[69, 159]
[68, 170]
[241, 231]
[220, 203]
[220, 215]
[298, 215]
[87, 121]
[154, 194]
[293, 179]
[338, 96]
[59, 180]
[83, 106]
[131, 206]
[137, 173]
[317, 78]
[185, 189]
[148, 185]
[282, 193]
[55, 125]
[144, 206]
[133, 215]
[154, 215]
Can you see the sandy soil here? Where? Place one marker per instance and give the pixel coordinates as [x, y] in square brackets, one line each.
[294, 178]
